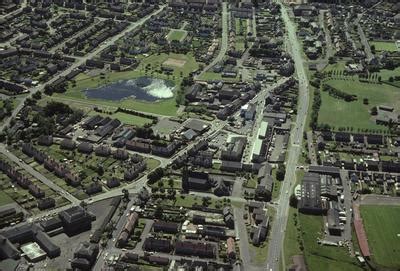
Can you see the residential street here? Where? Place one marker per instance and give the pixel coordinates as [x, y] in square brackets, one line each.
[224, 40]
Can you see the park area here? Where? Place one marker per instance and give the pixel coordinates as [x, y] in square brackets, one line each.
[388, 46]
[341, 114]
[150, 66]
[382, 226]
[176, 34]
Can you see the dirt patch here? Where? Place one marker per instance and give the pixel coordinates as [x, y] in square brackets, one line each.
[175, 62]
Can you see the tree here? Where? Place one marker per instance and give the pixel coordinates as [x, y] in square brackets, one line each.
[125, 194]
[280, 173]
[37, 95]
[205, 201]
[83, 204]
[373, 49]
[158, 212]
[293, 201]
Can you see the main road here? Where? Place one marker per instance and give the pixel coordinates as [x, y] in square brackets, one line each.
[279, 224]
[78, 63]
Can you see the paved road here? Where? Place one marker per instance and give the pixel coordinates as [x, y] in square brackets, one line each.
[294, 150]
[361, 33]
[38, 175]
[76, 64]
[242, 235]
[224, 41]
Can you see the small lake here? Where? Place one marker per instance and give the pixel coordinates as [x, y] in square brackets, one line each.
[142, 88]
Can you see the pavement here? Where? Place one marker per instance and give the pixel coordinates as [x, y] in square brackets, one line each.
[294, 150]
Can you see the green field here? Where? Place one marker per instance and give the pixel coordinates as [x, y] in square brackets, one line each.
[382, 226]
[291, 244]
[339, 113]
[320, 257]
[149, 66]
[5, 199]
[176, 34]
[389, 46]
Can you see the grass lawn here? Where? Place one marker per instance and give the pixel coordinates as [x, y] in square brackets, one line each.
[291, 244]
[239, 43]
[260, 253]
[131, 119]
[5, 199]
[176, 34]
[339, 113]
[152, 163]
[320, 257]
[340, 65]
[388, 46]
[251, 182]
[382, 226]
[277, 189]
[149, 66]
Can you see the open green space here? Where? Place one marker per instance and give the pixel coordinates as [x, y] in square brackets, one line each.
[382, 226]
[259, 253]
[339, 113]
[240, 43]
[389, 46]
[149, 66]
[320, 257]
[291, 243]
[176, 34]
[5, 199]
[340, 65]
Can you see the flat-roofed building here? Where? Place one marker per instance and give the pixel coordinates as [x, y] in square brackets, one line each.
[33, 252]
[263, 130]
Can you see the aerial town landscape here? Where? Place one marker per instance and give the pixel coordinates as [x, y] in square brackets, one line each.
[200, 135]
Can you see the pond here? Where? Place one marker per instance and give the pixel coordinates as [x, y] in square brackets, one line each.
[142, 88]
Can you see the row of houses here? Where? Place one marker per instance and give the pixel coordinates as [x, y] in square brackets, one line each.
[52, 165]
[128, 229]
[21, 180]
[188, 248]
[344, 137]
